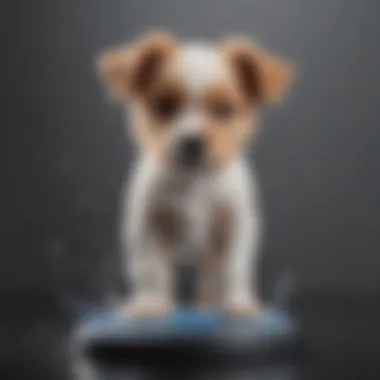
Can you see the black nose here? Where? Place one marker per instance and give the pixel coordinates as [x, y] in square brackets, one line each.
[192, 150]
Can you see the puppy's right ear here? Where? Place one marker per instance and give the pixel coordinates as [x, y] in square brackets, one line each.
[132, 69]
[263, 76]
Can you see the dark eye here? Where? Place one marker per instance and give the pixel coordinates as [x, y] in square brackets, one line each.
[222, 110]
[166, 106]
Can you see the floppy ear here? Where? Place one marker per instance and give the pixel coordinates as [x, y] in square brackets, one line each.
[262, 76]
[131, 69]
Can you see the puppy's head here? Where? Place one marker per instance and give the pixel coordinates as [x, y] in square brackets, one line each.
[193, 105]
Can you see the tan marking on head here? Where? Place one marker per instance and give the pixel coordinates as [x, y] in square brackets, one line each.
[131, 69]
[263, 76]
[154, 113]
[228, 126]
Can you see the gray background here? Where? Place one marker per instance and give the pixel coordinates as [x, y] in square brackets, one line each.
[67, 154]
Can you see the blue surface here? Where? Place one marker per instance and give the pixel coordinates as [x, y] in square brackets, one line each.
[110, 337]
[271, 323]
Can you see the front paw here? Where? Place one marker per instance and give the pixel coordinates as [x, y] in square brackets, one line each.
[148, 306]
[240, 308]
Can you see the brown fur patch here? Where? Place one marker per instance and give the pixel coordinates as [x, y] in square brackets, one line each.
[262, 76]
[222, 219]
[167, 226]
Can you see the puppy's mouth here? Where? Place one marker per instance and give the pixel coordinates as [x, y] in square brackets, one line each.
[191, 163]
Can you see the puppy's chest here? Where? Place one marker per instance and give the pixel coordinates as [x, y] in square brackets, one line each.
[190, 208]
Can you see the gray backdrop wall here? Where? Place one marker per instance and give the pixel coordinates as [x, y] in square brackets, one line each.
[317, 156]
[66, 156]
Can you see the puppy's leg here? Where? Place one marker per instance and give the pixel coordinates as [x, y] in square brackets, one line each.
[214, 255]
[210, 281]
[153, 269]
[240, 297]
[148, 268]
[151, 277]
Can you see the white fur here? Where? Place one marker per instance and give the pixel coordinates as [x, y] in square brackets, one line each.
[201, 66]
[193, 196]
[150, 274]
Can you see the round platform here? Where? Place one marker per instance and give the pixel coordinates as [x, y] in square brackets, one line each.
[188, 338]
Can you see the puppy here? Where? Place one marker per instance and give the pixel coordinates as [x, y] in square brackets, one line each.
[192, 197]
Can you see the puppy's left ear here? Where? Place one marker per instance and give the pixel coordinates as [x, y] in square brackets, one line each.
[131, 69]
[263, 77]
